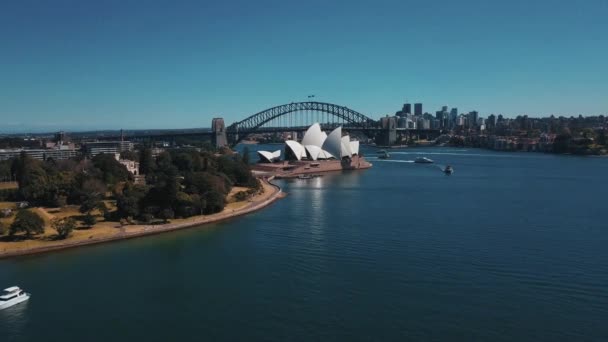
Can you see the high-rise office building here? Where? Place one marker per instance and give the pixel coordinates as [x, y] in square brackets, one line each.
[407, 108]
[417, 108]
[473, 116]
[491, 122]
[454, 113]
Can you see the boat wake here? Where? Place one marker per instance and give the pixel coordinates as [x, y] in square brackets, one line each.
[459, 154]
[390, 160]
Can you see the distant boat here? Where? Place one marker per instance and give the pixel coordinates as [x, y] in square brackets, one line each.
[304, 176]
[448, 170]
[423, 160]
[383, 154]
[11, 296]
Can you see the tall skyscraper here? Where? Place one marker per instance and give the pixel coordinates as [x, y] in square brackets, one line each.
[417, 108]
[407, 108]
[453, 117]
[491, 122]
[473, 116]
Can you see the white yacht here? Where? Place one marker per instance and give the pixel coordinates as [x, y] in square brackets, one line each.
[11, 296]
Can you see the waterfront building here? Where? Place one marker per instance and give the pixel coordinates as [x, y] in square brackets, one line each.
[418, 109]
[410, 123]
[423, 123]
[269, 157]
[40, 154]
[402, 122]
[388, 122]
[131, 165]
[435, 124]
[108, 147]
[316, 145]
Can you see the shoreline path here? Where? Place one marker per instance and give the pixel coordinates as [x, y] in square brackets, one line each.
[272, 193]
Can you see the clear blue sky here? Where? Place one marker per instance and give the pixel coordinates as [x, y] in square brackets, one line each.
[161, 64]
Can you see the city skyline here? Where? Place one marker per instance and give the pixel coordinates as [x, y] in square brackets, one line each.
[80, 66]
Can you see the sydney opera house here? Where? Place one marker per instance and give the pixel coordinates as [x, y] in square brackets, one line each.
[317, 152]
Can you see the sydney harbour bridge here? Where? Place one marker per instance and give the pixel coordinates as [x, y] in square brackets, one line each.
[297, 117]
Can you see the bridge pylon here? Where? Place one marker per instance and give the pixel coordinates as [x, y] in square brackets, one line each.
[218, 128]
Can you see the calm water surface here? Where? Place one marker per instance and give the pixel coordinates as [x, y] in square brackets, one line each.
[510, 247]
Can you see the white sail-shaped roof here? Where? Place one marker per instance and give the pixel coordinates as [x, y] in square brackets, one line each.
[324, 155]
[265, 156]
[314, 136]
[313, 151]
[354, 147]
[269, 156]
[346, 152]
[297, 150]
[333, 143]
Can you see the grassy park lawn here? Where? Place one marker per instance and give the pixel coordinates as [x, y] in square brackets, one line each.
[103, 229]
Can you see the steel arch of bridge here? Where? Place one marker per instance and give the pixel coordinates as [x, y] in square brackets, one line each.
[252, 123]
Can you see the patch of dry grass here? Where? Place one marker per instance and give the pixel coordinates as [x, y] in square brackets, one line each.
[8, 185]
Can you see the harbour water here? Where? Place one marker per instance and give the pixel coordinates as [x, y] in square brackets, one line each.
[511, 247]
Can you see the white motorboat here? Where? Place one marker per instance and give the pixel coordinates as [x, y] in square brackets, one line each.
[423, 160]
[11, 296]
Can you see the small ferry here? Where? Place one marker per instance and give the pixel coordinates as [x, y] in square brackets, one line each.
[382, 154]
[304, 176]
[448, 170]
[423, 160]
[11, 296]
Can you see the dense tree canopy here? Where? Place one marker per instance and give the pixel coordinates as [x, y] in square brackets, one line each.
[112, 171]
[179, 183]
[28, 222]
[63, 226]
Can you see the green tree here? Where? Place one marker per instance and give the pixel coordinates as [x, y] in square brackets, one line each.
[167, 214]
[601, 138]
[63, 226]
[93, 192]
[184, 206]
[246, 155]
[112, 171]
[2, 229]
[5, 171]
[28, 222]
[198, 204]
[236, 170]
[184, 162]
[32, 179]
[561, 143]
[130, 201]
[215, 202]
[89, 220]
[146, 161]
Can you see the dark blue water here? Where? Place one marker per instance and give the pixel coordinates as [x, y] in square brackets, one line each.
[511, 247]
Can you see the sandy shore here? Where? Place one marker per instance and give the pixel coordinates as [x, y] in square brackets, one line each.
[111, 231]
